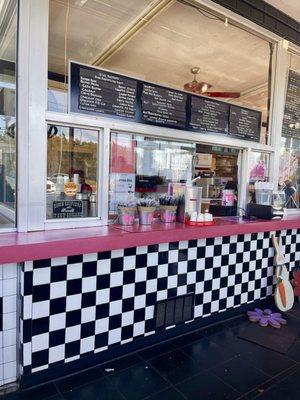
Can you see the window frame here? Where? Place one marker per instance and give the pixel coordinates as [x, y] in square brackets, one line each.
[33, 118]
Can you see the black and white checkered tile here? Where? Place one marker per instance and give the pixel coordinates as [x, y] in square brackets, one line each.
[82, 305]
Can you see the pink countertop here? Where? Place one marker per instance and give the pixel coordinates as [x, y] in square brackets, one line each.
[18, 247]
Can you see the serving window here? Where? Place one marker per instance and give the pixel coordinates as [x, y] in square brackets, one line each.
[72, 165]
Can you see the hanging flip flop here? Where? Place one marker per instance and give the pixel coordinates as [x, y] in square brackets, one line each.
[284, 293]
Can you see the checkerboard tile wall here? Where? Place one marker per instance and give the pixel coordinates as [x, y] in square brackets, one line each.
[82, 305]
[8, 325]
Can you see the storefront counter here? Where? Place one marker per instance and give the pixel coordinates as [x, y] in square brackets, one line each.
[89, 295]
[19, 247]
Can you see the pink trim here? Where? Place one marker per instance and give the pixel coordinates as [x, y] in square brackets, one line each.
[19, 247]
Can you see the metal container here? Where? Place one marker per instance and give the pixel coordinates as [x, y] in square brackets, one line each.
[85, 203]
[126, 215]
[168, 214]
[146, 215]
[93, 206]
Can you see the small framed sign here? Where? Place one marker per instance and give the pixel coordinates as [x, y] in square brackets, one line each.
[67, 209]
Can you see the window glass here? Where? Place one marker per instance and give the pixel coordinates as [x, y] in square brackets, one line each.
[289, 168]
[235, 65]
[152, 168]
[72, 172]
[8, 45]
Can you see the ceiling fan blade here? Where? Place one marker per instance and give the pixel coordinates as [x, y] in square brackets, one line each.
[233, 95]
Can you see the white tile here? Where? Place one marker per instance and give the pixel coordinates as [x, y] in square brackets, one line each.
[27, 307]
[162, 271]
[103, 267]
[117, 253]
[27, 354]
[90, 257]
[152, 259]
[9, 287]
[139, 328]
[102, 296]
[88, 314]
[73, 333]
[9, 380]
[57, 321]
[114, 336]
[207, 297]
[151, 285]
[59, 261]
[87, 344]
[74, 271]
[127, 318]
[9, 271]
[9, 321]
[89, 284]
[115, 307]
[142, 250]
[9, 304]
[73, 302]
[40, 309]
[129, 263]
[40, 342]
[149, 314]
[10, 370]
[41, 276]
[140, 274]
[56, 353]
[116, 279]
[101, 325]
[163, 247]
[9, 337]
[181, 290]
[9, 354]
[128, 291]
[140, 301]
[58, 289]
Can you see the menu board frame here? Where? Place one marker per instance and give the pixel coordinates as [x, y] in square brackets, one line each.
[73, 104]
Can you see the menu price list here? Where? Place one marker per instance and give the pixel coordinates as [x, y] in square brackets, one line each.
[244, 123]
[208, 115]
[106, 93]
[291, 117]
[163, 106]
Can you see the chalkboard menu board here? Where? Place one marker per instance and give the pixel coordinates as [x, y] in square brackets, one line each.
[105, 93]
[208, 115]
[96, 91]
[244, 123]
[291, 119]
[163, 106]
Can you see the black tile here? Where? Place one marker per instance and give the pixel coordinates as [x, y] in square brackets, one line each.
[119, 364]
[206, 353]
[168, 394]
[288, 389]
[294, 351]
[206, 386]
[240, 374]
[98, 390]
[268, 361]
[138, 381]
[175, 366]
[43, 392]
[76, 380]
[187, 339]
[157, 350]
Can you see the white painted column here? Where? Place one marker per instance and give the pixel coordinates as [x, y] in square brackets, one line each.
[32, 105]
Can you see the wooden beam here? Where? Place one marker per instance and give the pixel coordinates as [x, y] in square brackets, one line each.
[141, 21]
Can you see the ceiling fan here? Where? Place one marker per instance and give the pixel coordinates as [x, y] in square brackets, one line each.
[203, 87]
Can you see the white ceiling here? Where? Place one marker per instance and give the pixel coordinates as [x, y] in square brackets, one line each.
[164, 51]
[289, 7]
